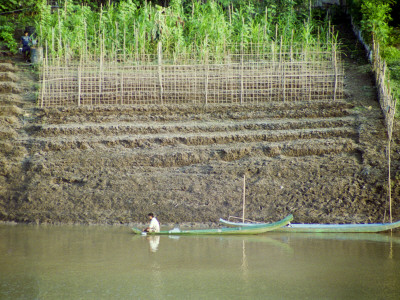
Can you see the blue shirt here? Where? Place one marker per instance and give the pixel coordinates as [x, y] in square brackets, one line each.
[25, 40]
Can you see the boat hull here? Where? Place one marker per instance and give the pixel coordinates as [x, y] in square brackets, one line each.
[326, 228]
[225, 231]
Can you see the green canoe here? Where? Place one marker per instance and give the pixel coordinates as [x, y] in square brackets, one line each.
[327, 228]
[224, 231]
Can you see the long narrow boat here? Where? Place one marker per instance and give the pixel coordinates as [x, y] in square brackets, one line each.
[361, 228]
[262, 228]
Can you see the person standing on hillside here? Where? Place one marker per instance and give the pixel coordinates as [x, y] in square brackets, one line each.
[154, 225]
[26, 49]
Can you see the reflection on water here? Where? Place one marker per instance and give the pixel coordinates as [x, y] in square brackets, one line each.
[78, 262]
[244, 267]
[154, 241]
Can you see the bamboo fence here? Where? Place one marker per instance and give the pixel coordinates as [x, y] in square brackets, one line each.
[386, 99]
[388, 106]
[249, 77]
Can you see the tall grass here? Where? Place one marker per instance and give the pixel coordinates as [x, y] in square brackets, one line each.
[198, 30]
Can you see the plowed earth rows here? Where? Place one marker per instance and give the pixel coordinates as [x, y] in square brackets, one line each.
[321, 161]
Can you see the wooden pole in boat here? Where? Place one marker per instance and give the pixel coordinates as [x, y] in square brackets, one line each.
[390, 187]
[244, 196]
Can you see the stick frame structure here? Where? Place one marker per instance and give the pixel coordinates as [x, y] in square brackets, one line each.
[255, 75]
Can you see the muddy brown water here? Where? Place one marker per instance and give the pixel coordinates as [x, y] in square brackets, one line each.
[106, 262]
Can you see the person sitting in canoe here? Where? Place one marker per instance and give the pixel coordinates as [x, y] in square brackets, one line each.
[154, 225]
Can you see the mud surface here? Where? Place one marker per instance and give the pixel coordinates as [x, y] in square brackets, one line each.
[321, 161]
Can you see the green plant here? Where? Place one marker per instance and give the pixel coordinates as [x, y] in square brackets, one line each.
[9, 5]
[391, 54]
[7, 37]
[185, 28]
[375, 19]
[12, 5]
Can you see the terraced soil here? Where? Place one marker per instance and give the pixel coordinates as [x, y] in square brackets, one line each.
[321, 161]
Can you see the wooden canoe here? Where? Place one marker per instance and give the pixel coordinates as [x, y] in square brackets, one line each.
[262, 228]
[361, 228]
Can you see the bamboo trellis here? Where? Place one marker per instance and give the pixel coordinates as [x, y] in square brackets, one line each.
[250, 77]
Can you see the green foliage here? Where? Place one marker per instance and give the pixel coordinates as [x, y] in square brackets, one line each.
[9, 5]
[395, 37]
[375, 19]
[394, 75]
[392, 55]
[11, 23]
[192, 28]
[7, 37]
[12, 5]
[372, 16]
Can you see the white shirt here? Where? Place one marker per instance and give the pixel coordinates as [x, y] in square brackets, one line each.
[154, 225]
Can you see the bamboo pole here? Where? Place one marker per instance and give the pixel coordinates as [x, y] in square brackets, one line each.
[282, 67]
[389, 183]
[136, 30]
[335, 68]
[309, 77]
[206, 79]
[116, 41]
[291, 46]
[230, 14]
[59, 33]
[79, 84]
[86, 44]
[44, 78]
[385, 101]
[122, 86]
[244, 197]
[124, 43]
[52, 42]
[159, 53]
[241, 73]
[101, 63]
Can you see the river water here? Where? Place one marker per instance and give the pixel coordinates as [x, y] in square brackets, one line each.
[100, 262]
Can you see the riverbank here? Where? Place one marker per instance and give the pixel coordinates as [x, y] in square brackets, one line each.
[322, 161]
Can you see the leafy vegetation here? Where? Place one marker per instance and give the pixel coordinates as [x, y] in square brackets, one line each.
[16, 15]
[11, 5]
[7, 36]
[374, 18]
[185, 28]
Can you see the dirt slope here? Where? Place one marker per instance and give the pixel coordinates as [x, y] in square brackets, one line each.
[321, 161]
